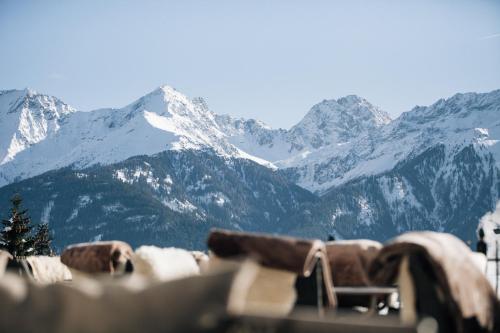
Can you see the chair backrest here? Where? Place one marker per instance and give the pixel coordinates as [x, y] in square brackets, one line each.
[299, 256]
[447, 284]
[349, 262]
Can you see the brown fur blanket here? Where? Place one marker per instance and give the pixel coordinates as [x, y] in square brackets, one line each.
[350, 261]
[446, 280]
[98, 257]
[285, 253]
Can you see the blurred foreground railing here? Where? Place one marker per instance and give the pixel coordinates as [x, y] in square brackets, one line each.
[304, 322]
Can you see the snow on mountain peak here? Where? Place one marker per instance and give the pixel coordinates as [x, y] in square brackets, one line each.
[461, 120]
[337, 121]
[30, 92]
[26, 118]
[337, 140]
[329, 125]
[168, 102]
[163, 119]
[169, 94]
[461, 104]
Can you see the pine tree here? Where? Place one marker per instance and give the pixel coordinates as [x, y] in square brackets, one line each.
[42, 241]
[16, 235]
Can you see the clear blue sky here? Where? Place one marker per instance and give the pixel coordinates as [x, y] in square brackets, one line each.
[270, 60]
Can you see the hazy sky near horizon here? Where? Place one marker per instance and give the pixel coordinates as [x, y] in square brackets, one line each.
[270, 60]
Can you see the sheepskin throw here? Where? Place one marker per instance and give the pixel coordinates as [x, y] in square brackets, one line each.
[442, 268]
[286, 253]
[98, 257]
[47, 269]
[164, 264]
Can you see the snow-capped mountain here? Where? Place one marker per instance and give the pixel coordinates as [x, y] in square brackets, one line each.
[433, 168]
[341, 140]
[321, 135]
[317, 153]
[27, 118]
[337, 140]
[337, 122]
[58, 136]
[458, 121]
[167, 165]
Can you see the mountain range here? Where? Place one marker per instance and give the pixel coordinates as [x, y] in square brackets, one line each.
[165, 168]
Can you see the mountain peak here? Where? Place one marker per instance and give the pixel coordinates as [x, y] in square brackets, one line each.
[16, 94]
[164, 100]
[30, 100]
[30, 92]
[28, 118]
[461, 105]
[336, 121]
[167, 90]
[464, 99]
[351, 99]
[354, 106]
[169, 93]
